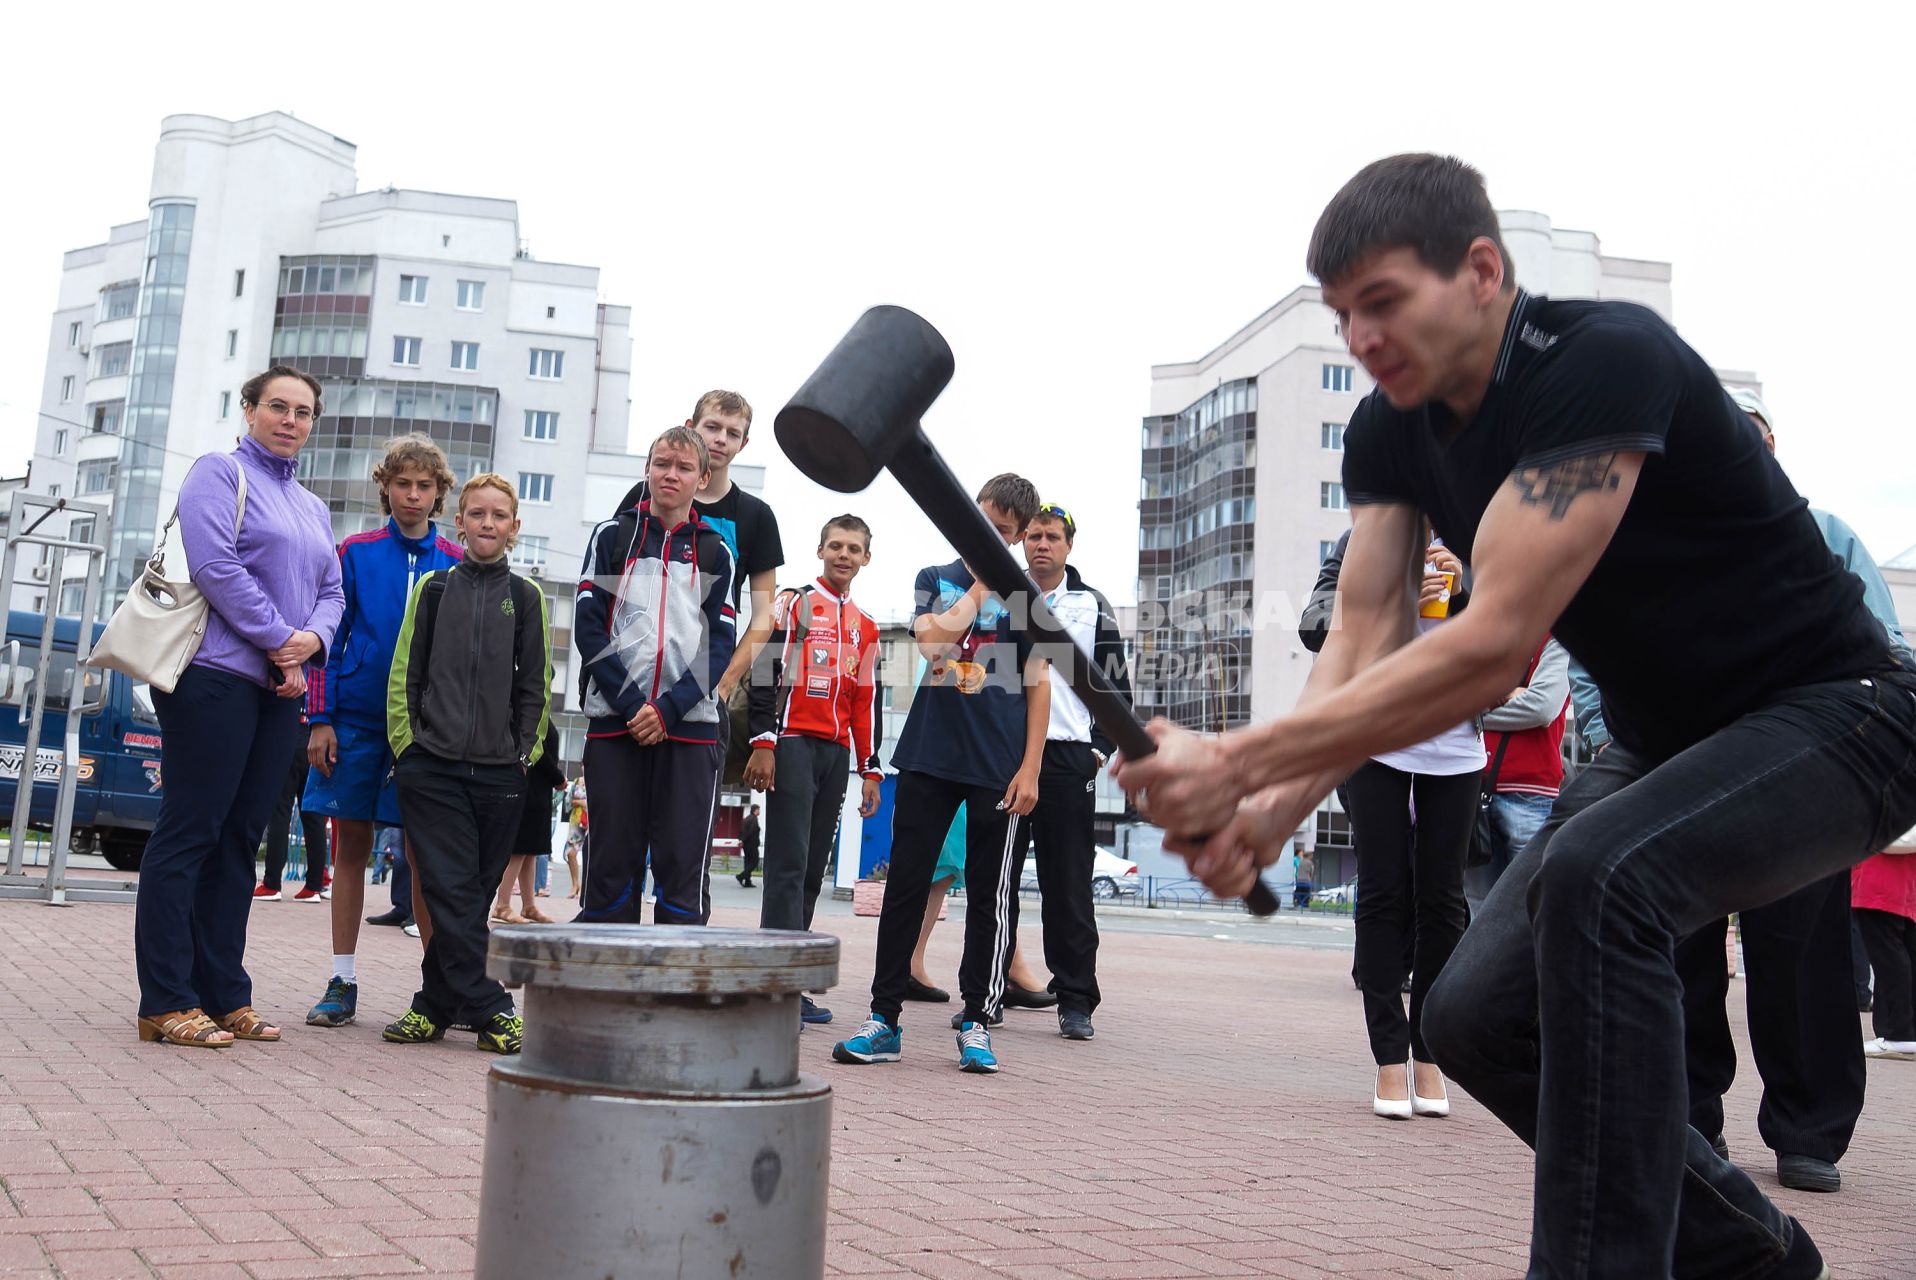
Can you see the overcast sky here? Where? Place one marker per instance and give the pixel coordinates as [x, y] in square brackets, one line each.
[1071, 193]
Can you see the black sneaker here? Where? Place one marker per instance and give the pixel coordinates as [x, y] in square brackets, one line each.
[958, 1020]
[1807, 1173]
[810, 1011]
[502, 1033]
[413, 1027]
[1074, 1024]
[393, 917]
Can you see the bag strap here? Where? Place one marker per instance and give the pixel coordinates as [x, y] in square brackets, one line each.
[157, 560]
[1489, 787]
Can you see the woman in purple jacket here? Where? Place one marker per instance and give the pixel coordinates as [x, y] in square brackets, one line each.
[230, 723]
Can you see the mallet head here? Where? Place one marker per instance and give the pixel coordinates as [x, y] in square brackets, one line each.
[865, 401]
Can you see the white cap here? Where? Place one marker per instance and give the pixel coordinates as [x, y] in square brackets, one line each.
[1751, 403]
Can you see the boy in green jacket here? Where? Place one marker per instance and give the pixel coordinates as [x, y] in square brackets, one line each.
[467, 705]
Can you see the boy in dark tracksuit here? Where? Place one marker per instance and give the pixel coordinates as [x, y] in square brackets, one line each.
[975, 736]
[655, 628]
[467, 712]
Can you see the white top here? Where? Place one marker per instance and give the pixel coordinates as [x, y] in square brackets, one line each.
[1454, 751]
[1077, 613]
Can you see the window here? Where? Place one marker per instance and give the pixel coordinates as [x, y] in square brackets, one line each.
[1164, 588]
[239, 283]
[535, 486]
[73, 334]
[81, 530]
[66, 389]
[232, 343]
[60, 443]
[96, 475]
[412, 290]
[53, 491]
[1331, 435]
[112, 360]
[1330, 496]
[226, 404]
[552, 313]
[541, 424]
[546, 364]
[118, 301]
[106, 417]
[1324, 549]
[406, 351]
[72, 596]
[530, 551]
[465, 355]
[1338, 377]
[472, 295]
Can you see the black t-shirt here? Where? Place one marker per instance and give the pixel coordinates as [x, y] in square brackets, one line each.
[747, 525]
[1717, 591]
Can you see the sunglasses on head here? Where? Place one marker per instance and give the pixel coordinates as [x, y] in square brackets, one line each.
[1057, 512]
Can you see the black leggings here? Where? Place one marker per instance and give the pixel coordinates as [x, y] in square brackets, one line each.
[1410, 893]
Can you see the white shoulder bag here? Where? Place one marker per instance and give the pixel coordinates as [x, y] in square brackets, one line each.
[157, 630]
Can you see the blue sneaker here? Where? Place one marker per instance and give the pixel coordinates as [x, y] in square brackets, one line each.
[876, 1041]
[974, 1049]
[337, 1007]
[808, 1011]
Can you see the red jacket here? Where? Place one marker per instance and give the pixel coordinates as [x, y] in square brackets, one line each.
[1886, 882]
[1533, 762]
[824, 678]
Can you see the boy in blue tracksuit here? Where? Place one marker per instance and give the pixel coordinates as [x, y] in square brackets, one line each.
[655, 628]
[351, 779]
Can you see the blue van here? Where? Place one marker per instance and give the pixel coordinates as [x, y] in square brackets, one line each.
[116, 796]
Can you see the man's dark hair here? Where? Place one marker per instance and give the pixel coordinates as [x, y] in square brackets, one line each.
[1016, 496]
[1433, 205]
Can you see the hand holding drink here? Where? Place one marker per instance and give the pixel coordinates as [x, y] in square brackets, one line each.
[1442, 571]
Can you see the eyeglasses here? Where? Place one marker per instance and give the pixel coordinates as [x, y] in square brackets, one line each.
[1057, 512]
[280, 409]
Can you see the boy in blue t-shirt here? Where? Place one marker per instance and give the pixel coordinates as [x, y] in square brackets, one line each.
[975, 736]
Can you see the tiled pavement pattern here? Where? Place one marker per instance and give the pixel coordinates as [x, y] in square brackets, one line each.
[1218, 1126]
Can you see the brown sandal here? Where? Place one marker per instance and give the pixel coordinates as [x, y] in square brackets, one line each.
[245, 1024]
[190, 1027]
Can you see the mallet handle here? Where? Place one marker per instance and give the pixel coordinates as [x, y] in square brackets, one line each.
[923, 474]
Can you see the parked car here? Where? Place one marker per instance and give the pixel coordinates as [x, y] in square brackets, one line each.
[1111, 876]
[116, 795]
[1338, 895]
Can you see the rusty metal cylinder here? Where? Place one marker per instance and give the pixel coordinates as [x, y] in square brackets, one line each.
[656, 1123]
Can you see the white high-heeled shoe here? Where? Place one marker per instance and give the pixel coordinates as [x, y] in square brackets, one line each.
[1391, 1108]
[1427, 1106]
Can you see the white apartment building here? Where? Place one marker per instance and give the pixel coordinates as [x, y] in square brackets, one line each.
[1242, 487]
[417, 311]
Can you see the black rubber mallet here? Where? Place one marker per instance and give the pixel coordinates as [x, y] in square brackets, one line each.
[859, 414]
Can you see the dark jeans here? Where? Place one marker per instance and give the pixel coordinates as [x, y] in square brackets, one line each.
[922, 810]
[1410, 894]
[657, 799]
[461, 819]
[801, 817]
[1800, 992]
[312, 826]
[1891, 940]
[223, 751]
[1061, 828]
[1561, 1010]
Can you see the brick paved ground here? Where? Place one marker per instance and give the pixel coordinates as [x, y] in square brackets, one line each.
[1218, 1126]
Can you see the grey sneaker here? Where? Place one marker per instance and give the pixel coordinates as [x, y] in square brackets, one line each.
[1075, 1025]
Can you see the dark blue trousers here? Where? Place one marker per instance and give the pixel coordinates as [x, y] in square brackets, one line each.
[224, 746]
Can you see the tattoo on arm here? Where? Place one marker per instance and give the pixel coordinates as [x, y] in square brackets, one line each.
[1556, 487]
